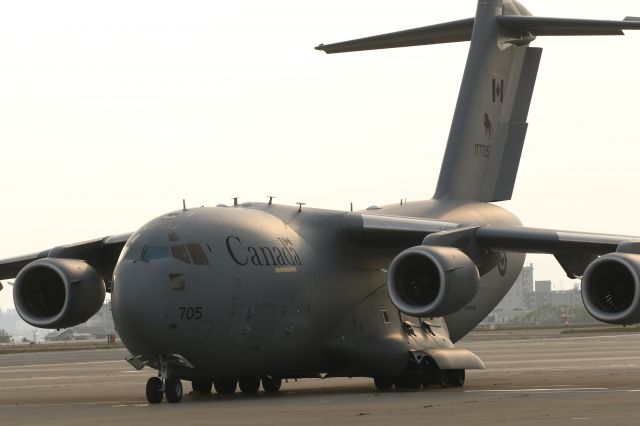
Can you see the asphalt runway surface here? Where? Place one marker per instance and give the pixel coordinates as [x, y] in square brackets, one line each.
[591, 380]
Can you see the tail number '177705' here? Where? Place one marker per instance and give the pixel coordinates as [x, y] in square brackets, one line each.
[482, 150]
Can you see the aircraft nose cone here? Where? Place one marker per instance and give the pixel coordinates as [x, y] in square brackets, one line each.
[138, 304]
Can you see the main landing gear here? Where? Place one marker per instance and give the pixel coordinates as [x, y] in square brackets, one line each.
[413, 380]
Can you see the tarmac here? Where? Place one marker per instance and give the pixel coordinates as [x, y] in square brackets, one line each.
[535, 379]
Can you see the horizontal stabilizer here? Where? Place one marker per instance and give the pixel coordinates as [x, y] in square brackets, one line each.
[455, 31]
[448, 32]
[542, 26]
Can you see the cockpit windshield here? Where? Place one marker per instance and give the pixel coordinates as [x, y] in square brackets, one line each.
[147, 253]
[191, 253]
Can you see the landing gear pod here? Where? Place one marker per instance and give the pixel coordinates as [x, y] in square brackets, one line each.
[58, 293]
[432, 281]
[611, 288]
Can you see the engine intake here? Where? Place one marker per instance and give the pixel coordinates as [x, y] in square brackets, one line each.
[58, 293]
[432, 281]
[611, 288]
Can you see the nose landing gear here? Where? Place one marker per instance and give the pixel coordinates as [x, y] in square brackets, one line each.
[164, 385]
[171, 387]
[154, 390]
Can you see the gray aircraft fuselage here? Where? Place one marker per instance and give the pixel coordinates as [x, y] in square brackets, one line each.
[283, 292]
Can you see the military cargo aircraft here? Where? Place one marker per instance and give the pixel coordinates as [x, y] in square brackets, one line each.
[255, 293]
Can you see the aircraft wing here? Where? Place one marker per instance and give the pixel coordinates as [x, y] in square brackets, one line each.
[101, 253]
[573, 250]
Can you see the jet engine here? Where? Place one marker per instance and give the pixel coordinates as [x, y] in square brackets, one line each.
[58, 293]
[611, 288]
[432, 281]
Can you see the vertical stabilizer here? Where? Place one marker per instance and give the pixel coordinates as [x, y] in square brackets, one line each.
[490, 120]
[489, 124]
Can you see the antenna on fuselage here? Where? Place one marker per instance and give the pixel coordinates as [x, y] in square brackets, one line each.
[235, 201]
[271, 197]
[300, 206]
[184, 205]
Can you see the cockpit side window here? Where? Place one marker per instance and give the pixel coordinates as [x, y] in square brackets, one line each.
[197, 254]
[156, 252]
[133, 253]
[180, 252]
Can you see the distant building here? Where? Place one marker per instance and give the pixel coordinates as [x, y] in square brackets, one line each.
[97, 327]
[514, 300]
[566, 298]
[541, 296]
[513, 305]
[527, 295]
[543, 286]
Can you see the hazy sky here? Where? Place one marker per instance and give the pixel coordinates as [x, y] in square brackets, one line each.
[112, 112]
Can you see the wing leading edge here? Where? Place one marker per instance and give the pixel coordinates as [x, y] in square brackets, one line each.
[101, 253]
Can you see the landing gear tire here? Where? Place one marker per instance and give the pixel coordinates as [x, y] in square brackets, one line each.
[202, 386]
[271, 384]
[443, 377]
[225, 385]
[408, 382]
[456, 378]
[173, 389]
[249, 385]
[154, 390]
[383, 384]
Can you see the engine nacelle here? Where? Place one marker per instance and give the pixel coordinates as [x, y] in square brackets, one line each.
[58, 293]
[432, 281]
[611, 288]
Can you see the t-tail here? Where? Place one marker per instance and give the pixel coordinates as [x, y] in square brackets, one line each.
[490, 120]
